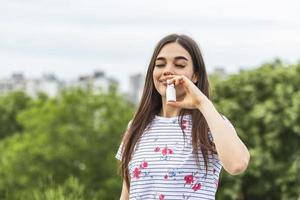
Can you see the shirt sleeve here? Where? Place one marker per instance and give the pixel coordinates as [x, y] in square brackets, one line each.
[119, 152]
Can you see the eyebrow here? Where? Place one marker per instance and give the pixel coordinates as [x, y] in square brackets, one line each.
[176, 58]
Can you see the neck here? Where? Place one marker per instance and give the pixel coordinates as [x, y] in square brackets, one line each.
[168, 111]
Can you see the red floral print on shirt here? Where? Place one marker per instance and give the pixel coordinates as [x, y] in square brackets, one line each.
[164, 151]
[141, 170]
[144, 165]
[136, 173]
[193, 181]
[184, 124]
[189, 179]
[170, 151]
[161, 197]
[197, 187]
[157, 149]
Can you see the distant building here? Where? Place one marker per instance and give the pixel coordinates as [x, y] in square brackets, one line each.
[16, 82]
[98, 81]
[136, 83]
[220, 71]
[51, 85]
[48, 84]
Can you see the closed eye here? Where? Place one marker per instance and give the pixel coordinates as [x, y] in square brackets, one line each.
[181, 66]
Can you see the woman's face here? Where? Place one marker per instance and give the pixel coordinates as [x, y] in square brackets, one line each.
[172, 59]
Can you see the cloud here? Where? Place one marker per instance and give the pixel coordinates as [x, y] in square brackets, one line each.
[74, 37]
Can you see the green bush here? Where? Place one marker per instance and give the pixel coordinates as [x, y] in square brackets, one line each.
[63, 148]
[72, 135]
[264, 105]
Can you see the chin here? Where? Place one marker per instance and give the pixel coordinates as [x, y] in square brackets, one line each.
[162, 93]
[161, 89]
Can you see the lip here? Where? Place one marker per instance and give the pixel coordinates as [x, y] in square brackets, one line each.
[164, 81]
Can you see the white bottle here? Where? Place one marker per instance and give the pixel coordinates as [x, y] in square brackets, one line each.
[171, 92]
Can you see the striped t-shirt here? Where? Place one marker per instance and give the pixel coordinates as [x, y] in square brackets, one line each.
[163, 166]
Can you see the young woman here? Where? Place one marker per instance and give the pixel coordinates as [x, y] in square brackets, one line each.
[175, 150]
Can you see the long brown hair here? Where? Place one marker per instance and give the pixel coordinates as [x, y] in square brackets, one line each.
[151, 104]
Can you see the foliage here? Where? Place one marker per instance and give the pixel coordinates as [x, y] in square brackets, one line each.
[10, 105]
[264, 105]
[72, 135]
[63, 148]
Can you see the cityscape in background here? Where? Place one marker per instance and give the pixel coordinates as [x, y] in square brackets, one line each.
[51, 85]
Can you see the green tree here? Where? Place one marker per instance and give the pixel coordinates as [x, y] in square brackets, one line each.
[63, 148]
[72, 135]
[264, 105]
[10, 105]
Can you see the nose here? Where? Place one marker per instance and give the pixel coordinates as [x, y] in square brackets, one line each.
[168, 70]
[168, 73]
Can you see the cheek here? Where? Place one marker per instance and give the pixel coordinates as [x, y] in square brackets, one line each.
[155, 76]
[155, 79]
[189, 74]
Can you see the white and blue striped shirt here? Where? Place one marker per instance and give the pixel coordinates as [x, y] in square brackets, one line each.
[163, 166]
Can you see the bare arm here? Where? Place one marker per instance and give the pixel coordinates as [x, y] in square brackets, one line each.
[124, 193]
[232, 152]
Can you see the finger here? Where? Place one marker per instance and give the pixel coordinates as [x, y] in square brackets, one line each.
[173, 103]
[180, 80]
[187, 83]
[177, 80]
[184, 79]
[170, 79]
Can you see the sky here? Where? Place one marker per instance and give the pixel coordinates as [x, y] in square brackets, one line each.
[73, 38]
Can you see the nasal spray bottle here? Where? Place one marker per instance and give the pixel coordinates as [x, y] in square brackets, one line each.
[171, 92]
